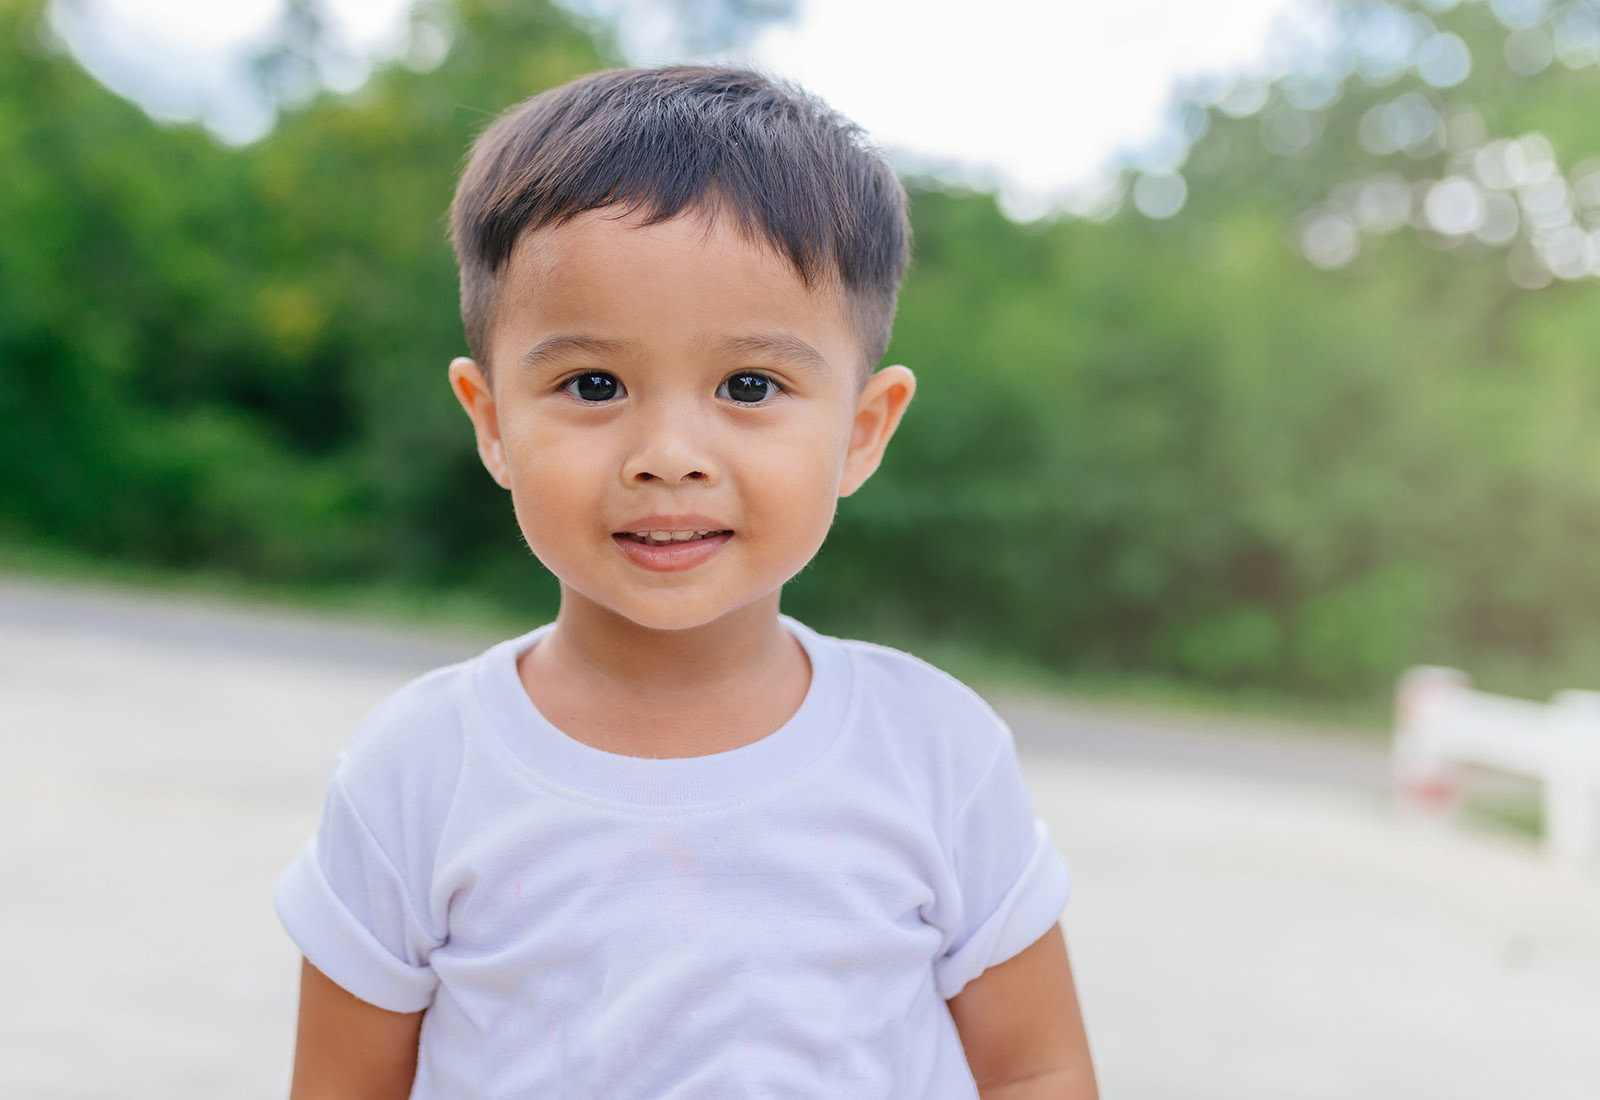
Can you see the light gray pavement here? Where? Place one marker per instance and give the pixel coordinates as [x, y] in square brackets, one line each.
[1251, 918]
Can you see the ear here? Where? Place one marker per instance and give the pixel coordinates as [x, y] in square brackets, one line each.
[471, 388]
[883, 401]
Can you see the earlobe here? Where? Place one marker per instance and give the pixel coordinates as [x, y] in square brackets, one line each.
[471, 387]
[882, 403]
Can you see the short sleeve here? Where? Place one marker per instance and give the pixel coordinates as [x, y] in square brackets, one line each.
[349, 911]
[1012, 882]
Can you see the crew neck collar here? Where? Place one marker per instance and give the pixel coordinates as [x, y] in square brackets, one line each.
[676, 782]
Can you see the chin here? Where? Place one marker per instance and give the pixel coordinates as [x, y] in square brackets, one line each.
[668, 615]
[667, 622]
[649, 614]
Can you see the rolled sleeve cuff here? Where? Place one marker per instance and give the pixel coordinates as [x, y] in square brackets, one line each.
[1027, 912]
[341, 947]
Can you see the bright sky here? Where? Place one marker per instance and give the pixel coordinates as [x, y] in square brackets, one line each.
[1039, 97]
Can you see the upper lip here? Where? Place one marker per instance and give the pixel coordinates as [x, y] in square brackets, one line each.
[672, 523]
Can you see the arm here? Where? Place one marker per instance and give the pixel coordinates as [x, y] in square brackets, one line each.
[1022, 1030]
[347, 1049]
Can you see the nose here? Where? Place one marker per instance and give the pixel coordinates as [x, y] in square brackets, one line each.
[671, 444]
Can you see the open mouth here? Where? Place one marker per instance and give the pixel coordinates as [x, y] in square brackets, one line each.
[664, 538]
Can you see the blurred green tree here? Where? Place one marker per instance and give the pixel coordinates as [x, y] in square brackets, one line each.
[1312, 400]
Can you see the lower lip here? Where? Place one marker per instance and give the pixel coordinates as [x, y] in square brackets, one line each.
[669, 557]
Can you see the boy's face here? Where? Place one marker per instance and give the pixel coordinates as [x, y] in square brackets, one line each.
[674, 378]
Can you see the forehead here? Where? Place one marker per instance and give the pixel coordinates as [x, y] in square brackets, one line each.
[611, 275]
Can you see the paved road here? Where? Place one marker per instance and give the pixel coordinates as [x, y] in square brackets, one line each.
[1251, 919]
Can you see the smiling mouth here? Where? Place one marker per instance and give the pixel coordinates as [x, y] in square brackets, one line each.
[665, 538]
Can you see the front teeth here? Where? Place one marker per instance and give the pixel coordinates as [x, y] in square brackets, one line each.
[673, 536]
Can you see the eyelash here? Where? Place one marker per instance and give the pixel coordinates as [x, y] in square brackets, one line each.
[776, 386]
[571, 386]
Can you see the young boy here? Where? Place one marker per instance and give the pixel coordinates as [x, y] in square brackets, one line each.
[675, 844]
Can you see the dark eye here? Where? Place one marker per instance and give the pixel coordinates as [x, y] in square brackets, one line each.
[595, 386]
[748, 389]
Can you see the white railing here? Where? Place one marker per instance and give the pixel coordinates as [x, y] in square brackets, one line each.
[1442, 723]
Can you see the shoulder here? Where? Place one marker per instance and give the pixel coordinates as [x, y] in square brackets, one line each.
[411, 722]
[922, 695]
[406, 755]
[923, 712]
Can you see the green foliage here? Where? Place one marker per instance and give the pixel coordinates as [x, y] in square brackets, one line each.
[1174, 444]
[1178, 444]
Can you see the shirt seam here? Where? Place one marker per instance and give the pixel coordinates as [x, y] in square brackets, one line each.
[977, 784]
[388, 862]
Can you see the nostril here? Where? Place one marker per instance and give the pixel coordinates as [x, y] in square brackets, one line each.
[645, 476]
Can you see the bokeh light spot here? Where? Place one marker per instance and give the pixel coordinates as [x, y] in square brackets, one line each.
[1385, 42]
[1444, 60]
[1529, 51]
[1160, 196]
[1492, 165]
[1329, 239]
[1454, 206]
[1518, 13]
[1311, 92]
[1577, 36]
[1566, 253]
[1586, 185]
[1245, 98]
[1288, 132]
[1501, 219]
[1530, 159]
[1410, 123]
[1383, 203]
[1547, 203]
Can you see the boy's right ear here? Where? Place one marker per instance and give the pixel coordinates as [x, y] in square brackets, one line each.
[471, 388]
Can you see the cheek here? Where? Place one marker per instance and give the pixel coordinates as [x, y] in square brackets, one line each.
[553, 485]
[800, 479]
[545, 452]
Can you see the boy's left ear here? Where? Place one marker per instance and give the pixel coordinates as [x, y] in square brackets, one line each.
[882, 403]
[471, 387]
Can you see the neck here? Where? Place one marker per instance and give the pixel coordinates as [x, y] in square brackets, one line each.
[615, 685]
[634, 660]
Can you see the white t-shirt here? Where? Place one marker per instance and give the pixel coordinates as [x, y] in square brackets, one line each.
[784, 919]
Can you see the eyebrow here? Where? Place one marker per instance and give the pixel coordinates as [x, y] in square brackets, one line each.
[776, 346]
[780, 347]
[554, 347]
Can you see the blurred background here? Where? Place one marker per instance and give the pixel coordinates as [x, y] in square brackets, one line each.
[1279, 377]
[1255, 342]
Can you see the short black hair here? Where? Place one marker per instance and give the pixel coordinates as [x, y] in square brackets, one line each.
[792, 173]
